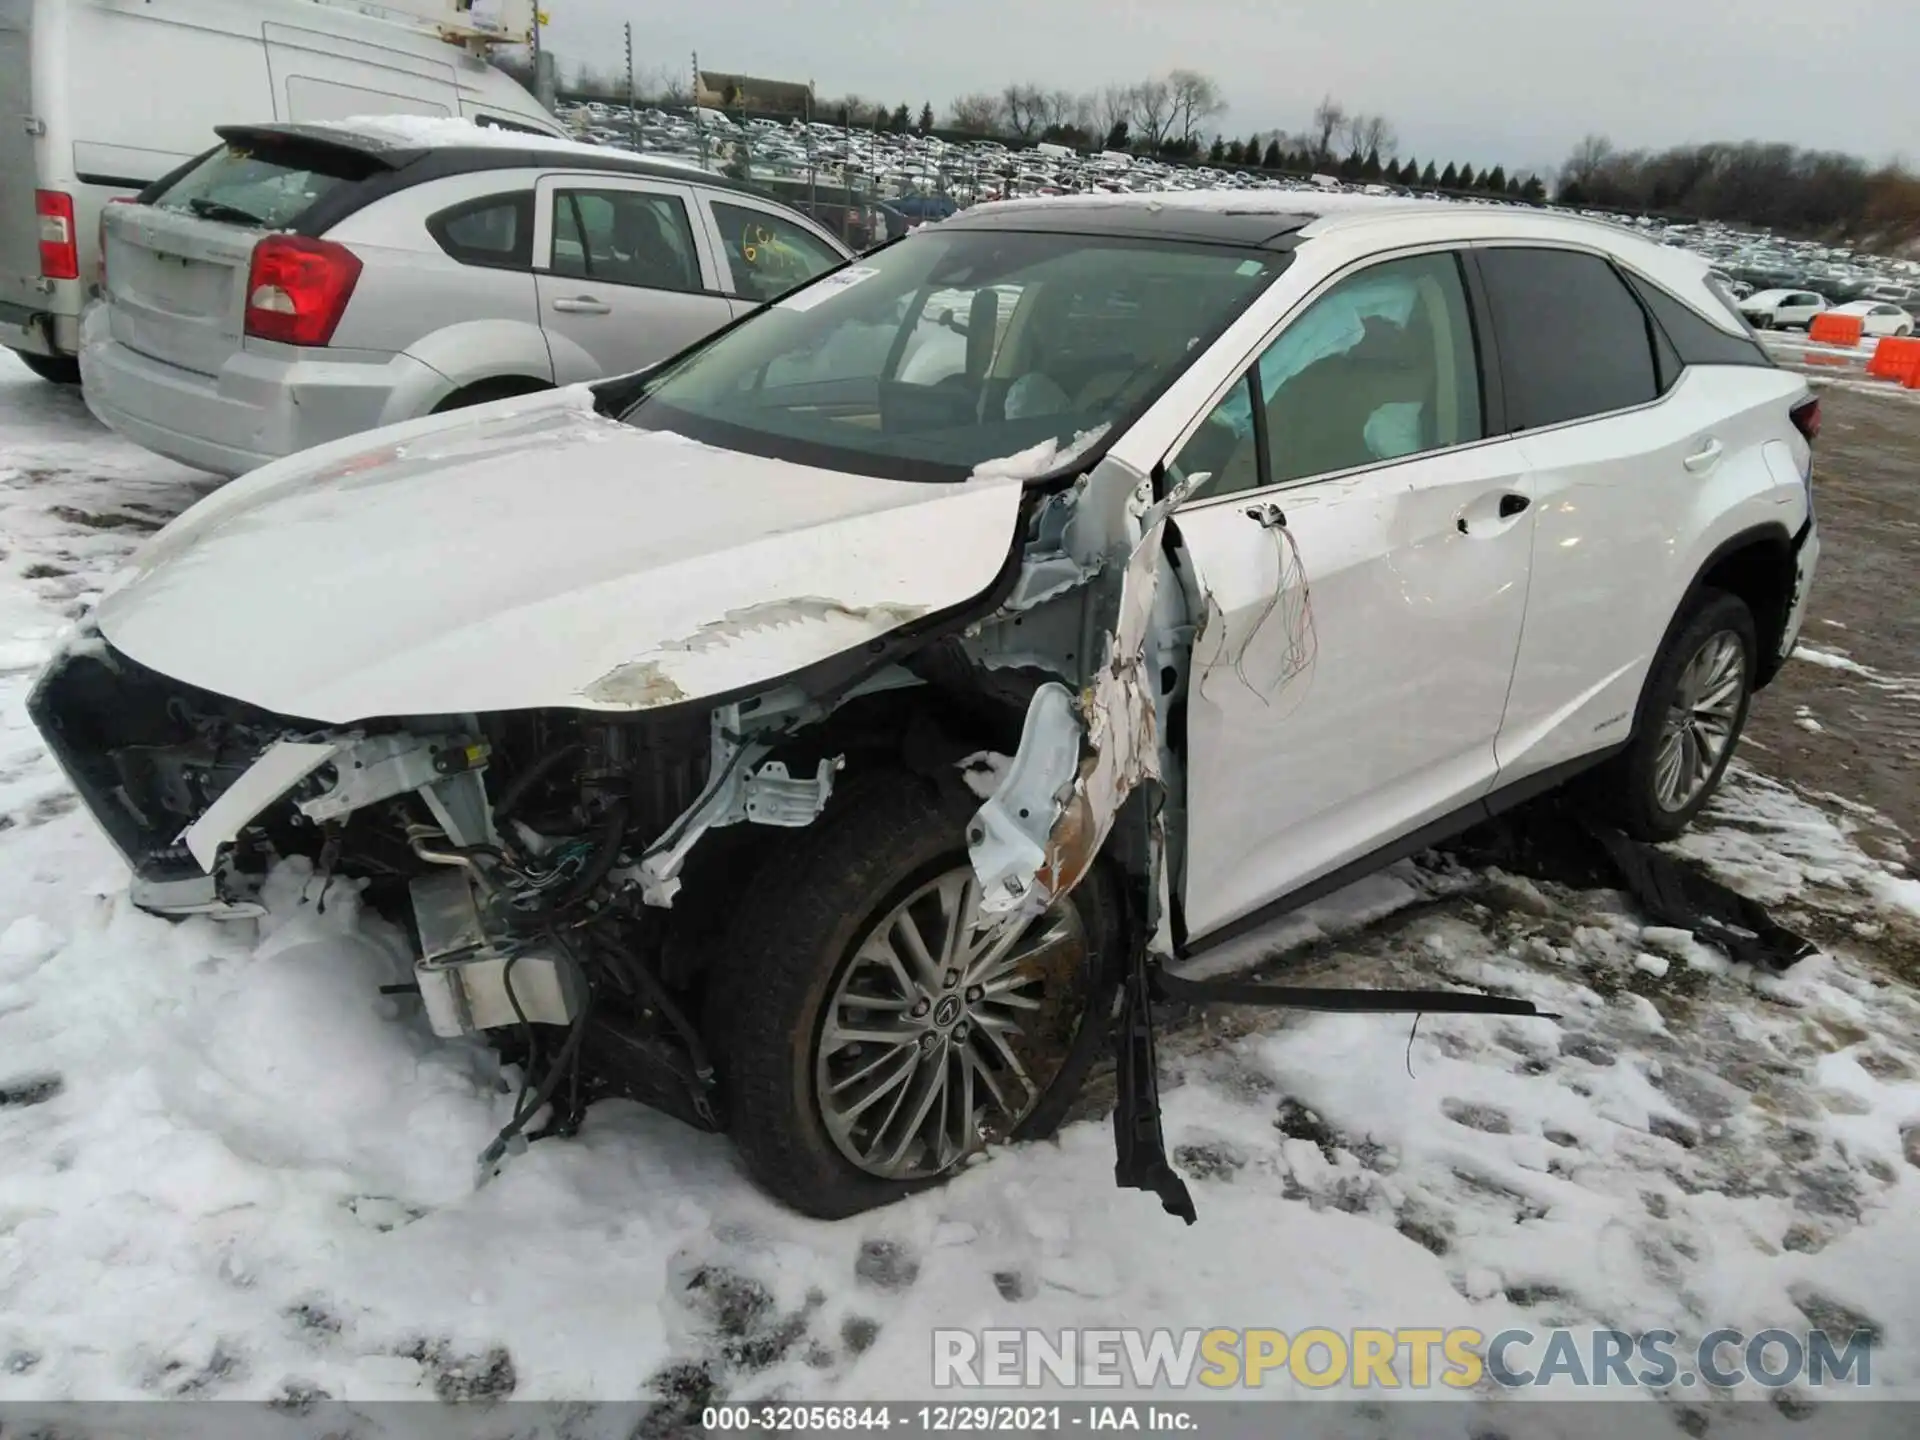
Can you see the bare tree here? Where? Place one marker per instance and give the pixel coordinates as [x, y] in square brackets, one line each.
[1064, 108]
[1114, 105]
[1329, 119]
[1153, 111]
[669, 84]
[979, 113]
[1371, 135]
[1589, 158]
[1025, 109]
[1196, 99]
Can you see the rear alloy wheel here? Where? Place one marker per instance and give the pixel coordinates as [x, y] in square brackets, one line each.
[871, 1029]
[1698, 729]
[1691, 714]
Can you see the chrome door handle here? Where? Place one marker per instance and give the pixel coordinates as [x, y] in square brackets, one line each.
[583, 305]
[1705, 457]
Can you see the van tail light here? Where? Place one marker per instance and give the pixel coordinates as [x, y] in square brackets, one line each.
[100, 249]
[1806, 418]
[59, 246]
[297, 289]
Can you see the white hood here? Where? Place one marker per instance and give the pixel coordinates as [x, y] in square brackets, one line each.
[535, 554]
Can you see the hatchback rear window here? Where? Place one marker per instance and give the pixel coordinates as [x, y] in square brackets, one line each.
[267, 188]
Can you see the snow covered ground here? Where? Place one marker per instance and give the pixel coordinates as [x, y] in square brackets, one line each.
[233, 1170]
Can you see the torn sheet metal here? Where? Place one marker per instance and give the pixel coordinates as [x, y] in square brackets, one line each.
[1117, 710]
[1008, 839]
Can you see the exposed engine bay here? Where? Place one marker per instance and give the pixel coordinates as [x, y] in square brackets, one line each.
[566, 874]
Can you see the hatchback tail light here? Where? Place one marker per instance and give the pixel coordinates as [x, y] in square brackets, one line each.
[100, 260]
[59, 245]
[1806, 418]
[297, 289]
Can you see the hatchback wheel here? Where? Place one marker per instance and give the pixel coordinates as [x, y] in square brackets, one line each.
[1690, 718]
[873, 1030]
[59, 369]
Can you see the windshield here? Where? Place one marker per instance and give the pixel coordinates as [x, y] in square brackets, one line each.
[952, 351]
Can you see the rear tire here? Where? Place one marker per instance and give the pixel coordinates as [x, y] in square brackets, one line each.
[892, 853]
[55, 369]
[479, 393]
[1691, 713]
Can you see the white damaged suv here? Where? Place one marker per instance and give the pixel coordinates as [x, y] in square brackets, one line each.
[804, 735]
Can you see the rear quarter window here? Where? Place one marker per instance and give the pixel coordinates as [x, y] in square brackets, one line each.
[1573, 339]
[495, 231]
[266, 187]
[1695, 339]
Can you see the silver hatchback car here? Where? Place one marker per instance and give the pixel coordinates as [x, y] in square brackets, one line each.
[300, 283]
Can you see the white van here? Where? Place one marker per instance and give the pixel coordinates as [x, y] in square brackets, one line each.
[102, 97]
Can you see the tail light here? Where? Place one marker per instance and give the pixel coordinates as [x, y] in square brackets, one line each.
[297, 289]
[100, 260]
[1806, 418]
[59, 246]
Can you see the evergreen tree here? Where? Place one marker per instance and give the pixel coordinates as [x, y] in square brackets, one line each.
[901, 120]
[1119, 137]
[1221, 153]
[1495, 180]
[1370, 167]
[1449, 177]
[926, 118]
[1392, 173]
[1532, 190]
[1273, 159]
[1410, 172]
[1350, 168]
[1428, 178]
[1465, 178]
[1513, 185]
[1250, 152]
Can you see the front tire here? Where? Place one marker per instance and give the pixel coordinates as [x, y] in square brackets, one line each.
[869, 1036]
[55, 369]
[1691, 714]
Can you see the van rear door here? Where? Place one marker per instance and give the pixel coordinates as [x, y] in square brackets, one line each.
[19, 226]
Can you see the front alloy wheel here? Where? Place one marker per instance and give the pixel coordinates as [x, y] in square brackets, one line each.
[871, 1028]
[944, 1030]
[1700, 721]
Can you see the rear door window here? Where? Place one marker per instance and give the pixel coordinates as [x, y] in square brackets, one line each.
[768, 253]
[625, 237]
[266, 187]
[1573, 339]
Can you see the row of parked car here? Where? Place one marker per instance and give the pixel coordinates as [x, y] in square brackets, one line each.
[1796, 310]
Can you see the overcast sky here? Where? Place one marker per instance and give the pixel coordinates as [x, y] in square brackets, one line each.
[1510, 81]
